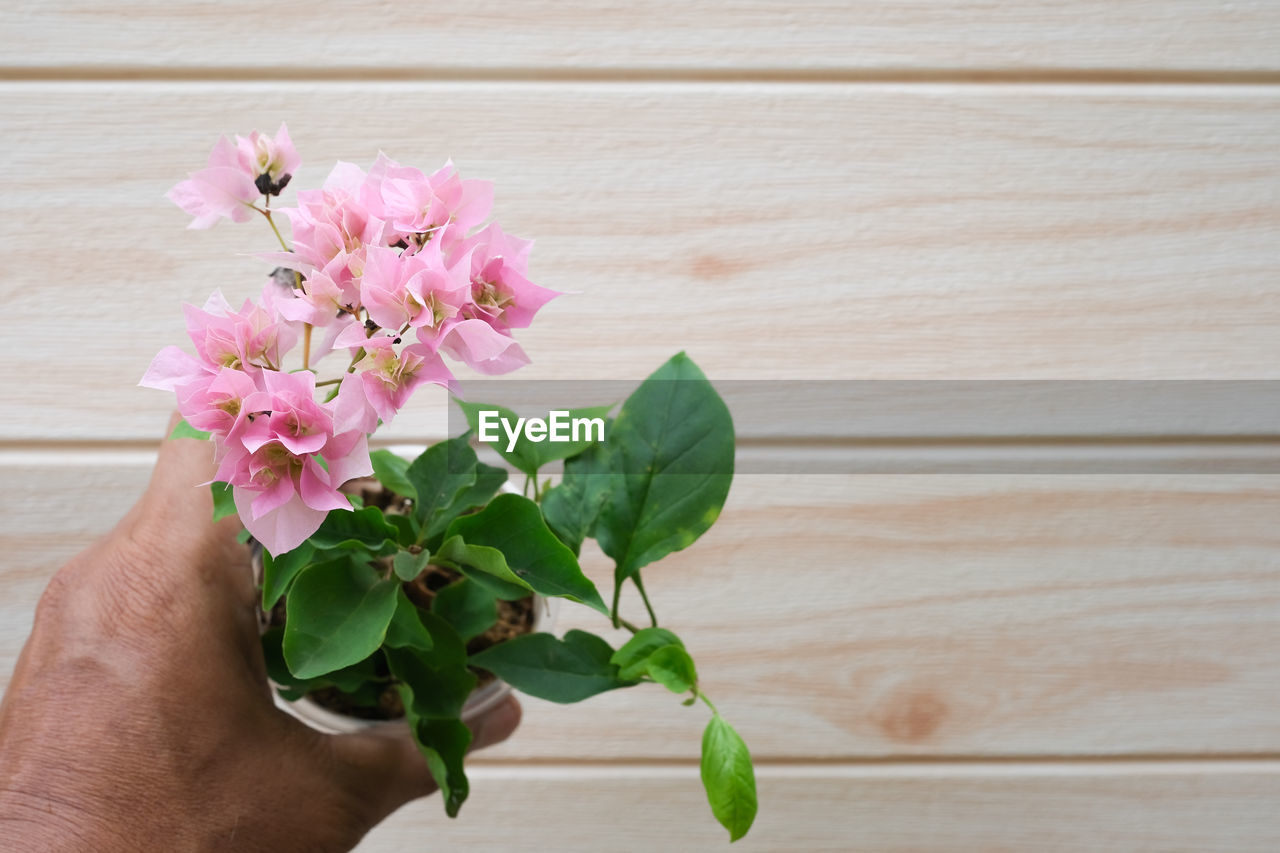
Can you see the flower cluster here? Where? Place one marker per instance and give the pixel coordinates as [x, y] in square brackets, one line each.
[393, 267]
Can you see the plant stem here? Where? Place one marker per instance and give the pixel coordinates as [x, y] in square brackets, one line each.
[704, 698]
[645, 597]
[267, 213]
[328, 382]
[306, 345]
[632, 628]
[613, 611]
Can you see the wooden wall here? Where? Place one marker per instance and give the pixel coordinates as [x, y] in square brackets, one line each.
[904, 189]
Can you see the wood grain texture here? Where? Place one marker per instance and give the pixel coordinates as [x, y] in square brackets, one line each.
[738, 36]
[872, 617]
[1212, 806]
[799, 231]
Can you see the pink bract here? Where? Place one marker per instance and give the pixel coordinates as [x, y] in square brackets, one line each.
[393, 268]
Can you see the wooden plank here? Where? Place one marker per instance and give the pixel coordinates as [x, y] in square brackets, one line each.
[737, 36]
[859, 617]
[776, 232]
[1187, 807]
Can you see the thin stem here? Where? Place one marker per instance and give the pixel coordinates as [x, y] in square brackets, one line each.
[328, 382]
[645, 597]
[613, 611]
[272, 223]
[625, 624]
[704, 698]
[306, 346]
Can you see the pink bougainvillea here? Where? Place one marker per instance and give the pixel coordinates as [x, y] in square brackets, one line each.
[391, 268]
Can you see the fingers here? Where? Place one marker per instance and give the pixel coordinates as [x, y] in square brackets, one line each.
[388, 770]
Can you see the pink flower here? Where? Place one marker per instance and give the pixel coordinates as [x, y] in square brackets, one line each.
[501, 293]
[389, 378]
[251, 338]
[237, 174]
[483, 348]
[224, 188]
[412, 290]
[271, 161]
[281, 490]
[442, 206]
[216, 403]
[332, 220]
[286, 411]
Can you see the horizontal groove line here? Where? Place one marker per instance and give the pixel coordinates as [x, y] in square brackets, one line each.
[1191, 441]
[1154, 759]
[1100, 76]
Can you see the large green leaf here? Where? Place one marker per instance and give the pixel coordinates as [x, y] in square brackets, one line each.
[337, 614]
[467, 606]
[434, 683]
[632, 659]
[571, 508]
[356, 528]
[672, 667]
[279, 572]
[728, 777]
[526, 454]
[671, 451]
[489, 480]
[514, 525]
[406, 629]
[439, 476]
[486, 566]
[392, 472]
[567, 670]
[352, 679]
[444, 743]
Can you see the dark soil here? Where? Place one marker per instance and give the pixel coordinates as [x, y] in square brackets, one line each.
[514, 618]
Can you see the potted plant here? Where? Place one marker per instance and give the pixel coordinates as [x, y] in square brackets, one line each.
[392, 587]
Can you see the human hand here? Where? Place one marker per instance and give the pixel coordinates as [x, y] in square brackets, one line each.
[139, 716]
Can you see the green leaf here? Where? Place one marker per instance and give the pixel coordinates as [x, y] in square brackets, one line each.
[408, 565]
[337, 614]
[186, 430]
[489, 480]
[356, 528]
[356, 501]
[279, 572]
[632, 659]
[243, 537]
[514, 525]
[406, 530]
[671, 450]
[406, 629]
[350, 679]
[486, 566]
[572, 507]
[728, 777]
[224, 502]
[444, 744]
[442, 473]
[672, 667]
[467, 606]
[392, 472]
[434, 683]
[564, 671]
[526, 454]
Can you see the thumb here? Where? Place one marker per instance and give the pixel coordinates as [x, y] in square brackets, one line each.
[388, 770]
